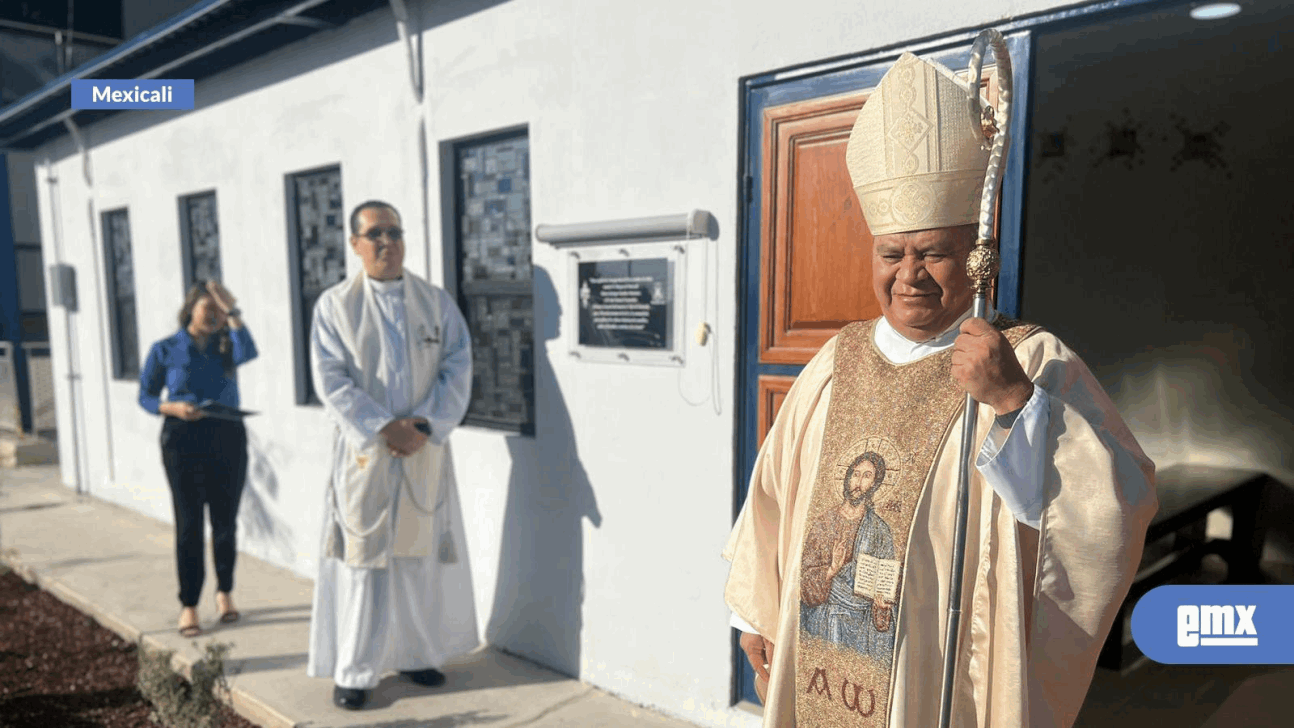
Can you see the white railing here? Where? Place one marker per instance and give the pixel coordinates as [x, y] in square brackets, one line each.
[40, 385]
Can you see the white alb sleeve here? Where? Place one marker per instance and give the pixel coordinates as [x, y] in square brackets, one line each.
[1012, 460]
[742, 624]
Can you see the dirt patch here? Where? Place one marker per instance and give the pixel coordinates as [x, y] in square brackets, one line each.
[59, 667]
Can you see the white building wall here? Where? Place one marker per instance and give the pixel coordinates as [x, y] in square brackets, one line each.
[595, 544]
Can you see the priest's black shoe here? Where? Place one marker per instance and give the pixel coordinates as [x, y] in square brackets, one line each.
[349, 698]
[430, 677]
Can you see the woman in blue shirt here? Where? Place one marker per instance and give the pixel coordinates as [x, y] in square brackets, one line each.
[205, 457]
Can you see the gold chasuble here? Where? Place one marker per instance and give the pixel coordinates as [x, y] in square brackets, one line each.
[885, 425]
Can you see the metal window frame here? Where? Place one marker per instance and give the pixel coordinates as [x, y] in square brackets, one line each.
[304, 391]
[119, 369]
[452, 204]
[186, 235]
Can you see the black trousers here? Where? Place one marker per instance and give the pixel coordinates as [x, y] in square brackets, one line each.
[206, 464]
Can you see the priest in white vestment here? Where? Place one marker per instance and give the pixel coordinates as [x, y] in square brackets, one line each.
[1060, 492]
[392, 364]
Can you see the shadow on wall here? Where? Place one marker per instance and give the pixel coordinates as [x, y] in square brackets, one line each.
[260, 528]
[540, 591]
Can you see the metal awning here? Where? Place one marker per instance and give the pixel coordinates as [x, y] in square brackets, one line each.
[207, 38]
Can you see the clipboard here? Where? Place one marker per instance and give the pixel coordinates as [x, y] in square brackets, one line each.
[212, 408]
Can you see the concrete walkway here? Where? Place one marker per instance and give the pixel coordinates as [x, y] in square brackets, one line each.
[118, 566]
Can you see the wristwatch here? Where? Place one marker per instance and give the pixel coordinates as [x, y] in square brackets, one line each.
[1005, 421]
[235, 311]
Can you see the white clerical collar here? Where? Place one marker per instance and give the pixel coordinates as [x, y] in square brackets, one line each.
[901, 350]
[385, 287]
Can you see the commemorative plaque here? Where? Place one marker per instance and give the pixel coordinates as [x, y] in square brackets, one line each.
[626, 304]
[627, 286]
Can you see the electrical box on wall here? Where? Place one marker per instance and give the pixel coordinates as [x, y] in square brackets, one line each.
[62, 285]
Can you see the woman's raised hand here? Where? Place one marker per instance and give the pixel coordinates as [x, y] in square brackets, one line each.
[221, 295]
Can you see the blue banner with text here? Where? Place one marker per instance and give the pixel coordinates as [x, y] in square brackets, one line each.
[140, 94]
[1216, 624]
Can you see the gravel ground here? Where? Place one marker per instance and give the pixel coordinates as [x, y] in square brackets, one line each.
[60, 669]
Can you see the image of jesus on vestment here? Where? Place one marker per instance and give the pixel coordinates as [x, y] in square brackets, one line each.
[849, 575]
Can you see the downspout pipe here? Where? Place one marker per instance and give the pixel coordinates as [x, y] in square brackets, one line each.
[73, 374]
[105, 347]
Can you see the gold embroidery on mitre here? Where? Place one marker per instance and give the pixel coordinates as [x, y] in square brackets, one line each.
[913, 202]
[916, 127]
[885, 425]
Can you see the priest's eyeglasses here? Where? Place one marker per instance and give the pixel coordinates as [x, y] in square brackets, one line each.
[394, 234]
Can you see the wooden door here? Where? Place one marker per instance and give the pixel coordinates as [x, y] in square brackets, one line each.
[806, 258]
[815, 262]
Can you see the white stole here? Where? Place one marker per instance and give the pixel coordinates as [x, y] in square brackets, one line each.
[369, 484]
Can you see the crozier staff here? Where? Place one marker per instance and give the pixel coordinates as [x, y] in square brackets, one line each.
[1059, 497]
[392, 362]
[205, 458]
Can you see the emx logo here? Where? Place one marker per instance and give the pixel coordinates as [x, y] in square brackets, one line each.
[1211, 625]
[1216, 624]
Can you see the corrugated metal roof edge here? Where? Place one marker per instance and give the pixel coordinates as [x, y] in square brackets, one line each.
[43, 118]
[134, 45]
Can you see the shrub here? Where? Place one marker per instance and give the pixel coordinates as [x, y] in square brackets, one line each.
[180, 703]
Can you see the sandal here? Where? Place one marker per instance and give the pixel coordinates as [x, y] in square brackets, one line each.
[190, 631]
[227, 616]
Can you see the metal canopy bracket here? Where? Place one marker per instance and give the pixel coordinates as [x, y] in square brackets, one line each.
[401, 12]
[75, 131]
[305, 21]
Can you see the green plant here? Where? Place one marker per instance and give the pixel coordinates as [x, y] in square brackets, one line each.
[180, 703]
